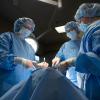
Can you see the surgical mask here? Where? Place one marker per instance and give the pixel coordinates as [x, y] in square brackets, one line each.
[24, 32]
[72, 35]
[83, 27]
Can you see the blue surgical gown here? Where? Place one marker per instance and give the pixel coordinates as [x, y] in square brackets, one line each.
[70, 49]
[91, 43]
[11, 46]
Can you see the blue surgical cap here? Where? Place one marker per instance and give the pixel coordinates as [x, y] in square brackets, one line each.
[87, 10]
[71, 26]
[22, 22]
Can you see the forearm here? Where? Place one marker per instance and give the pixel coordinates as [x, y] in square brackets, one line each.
[20, 60]
[26, 62]
[71, 61]
[88, 63]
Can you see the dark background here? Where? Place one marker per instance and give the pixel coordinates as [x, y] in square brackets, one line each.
[46, 17]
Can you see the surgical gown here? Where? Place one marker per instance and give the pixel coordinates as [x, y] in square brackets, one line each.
[70, 49]
[90, 43]
[10, 74]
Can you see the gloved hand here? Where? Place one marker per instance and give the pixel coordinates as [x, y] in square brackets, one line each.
[67, 62]
[64, 64]
[43, 65]
[55, 61]
[62, 67]
[25, 62]
[28, 63]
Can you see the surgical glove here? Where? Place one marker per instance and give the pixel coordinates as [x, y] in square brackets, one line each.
[64, 64]
[25, 62]
[43, 65]
[67, 62]
[55, 61]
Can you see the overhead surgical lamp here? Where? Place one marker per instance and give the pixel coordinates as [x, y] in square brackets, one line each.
[60, 29]
[52, 2]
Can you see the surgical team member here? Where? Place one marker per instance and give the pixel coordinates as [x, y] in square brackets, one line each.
[16, 55]
[88, 61]
[69, 49]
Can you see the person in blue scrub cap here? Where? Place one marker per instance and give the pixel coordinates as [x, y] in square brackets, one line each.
[69, 49]
[87, 12]
[88, 61]
[16, 55]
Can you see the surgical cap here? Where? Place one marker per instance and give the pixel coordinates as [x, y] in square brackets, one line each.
[87, 10]
[23, 22]
[71, 26]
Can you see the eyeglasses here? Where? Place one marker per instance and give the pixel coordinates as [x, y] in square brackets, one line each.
[69, 30]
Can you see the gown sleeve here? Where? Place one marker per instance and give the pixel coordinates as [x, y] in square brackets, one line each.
[6, 52]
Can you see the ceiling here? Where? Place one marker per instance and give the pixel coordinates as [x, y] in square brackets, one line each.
[46, 17]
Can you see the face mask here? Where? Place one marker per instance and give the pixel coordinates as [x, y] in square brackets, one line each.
[24, 32]
[83, 27]
[72, 35]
